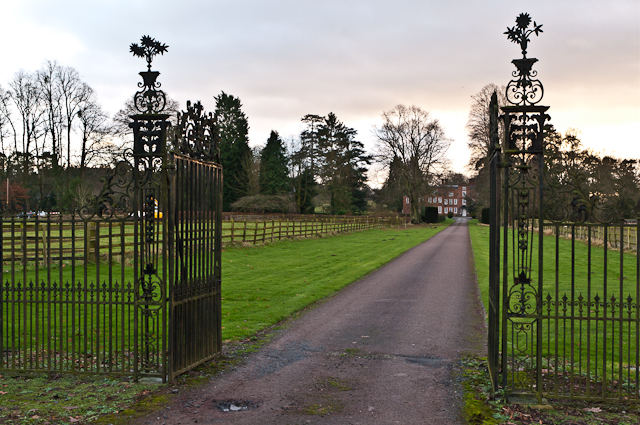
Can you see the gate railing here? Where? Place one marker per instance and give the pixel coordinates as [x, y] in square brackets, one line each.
[564, 314]
[128, 282]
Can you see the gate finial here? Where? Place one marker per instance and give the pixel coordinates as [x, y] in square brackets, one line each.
[149, 100]
[520, 34]
[525, 89]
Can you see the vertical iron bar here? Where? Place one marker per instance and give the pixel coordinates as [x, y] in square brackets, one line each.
[588, 368]
[604, 312]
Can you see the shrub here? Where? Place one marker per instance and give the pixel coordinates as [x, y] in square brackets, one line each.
[430, 215]
[450, 214]
[441, 218]
[485, 215]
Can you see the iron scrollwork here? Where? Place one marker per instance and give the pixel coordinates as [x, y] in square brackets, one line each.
[197, 135]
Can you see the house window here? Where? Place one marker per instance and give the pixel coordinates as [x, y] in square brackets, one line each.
[429, 199]
[464, 188]
[455, 211]
[445, 202]
[439, 200]
[450, 194]
[446, 210]
[464, 202]
[439, 210]
[455, 201]
[464, 193]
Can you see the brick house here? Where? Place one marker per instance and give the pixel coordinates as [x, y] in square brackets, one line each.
[452, 198]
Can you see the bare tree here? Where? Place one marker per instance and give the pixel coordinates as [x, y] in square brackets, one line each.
[48, 80]
[480, 138]
[478, 124]
[94, 131]
[6, 121]
[26, 96]
[416, 146]
[73, 94]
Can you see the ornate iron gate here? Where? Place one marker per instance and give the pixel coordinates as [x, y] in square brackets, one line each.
[564, 311]
[196, 223]
[129, 282]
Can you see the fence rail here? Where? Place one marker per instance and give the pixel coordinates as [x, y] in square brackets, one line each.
[74, 239]
[626, 233]
[249, 231]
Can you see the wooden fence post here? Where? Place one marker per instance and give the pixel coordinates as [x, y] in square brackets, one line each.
[232, 230]
[255, 231]
[244, 232]
[264, 231]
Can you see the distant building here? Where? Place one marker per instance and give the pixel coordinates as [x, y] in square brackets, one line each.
[451, 198]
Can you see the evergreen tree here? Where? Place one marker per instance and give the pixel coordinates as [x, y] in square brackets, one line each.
[342, 166]
[233, 130]
[305, 189]
[274, 173]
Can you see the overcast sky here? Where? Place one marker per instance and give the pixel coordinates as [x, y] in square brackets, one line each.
[285, 59]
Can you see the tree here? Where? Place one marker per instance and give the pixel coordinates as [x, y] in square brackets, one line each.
[478, 127]
[13, 196]
[94, 132]
[479, 133]
[48, 80]
[27, 98]
[251, 173]
[342, 165]
[73, 93]
[233, 130]
[309, 140]
[274, 171]
[583, 177]
[416, 145]
[7, 127]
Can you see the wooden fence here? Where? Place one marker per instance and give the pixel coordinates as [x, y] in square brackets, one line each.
[249, 231]
[48, 240]
[627, 234]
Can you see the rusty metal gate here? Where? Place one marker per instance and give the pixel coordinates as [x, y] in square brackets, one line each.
[564, 270]
[127, 283]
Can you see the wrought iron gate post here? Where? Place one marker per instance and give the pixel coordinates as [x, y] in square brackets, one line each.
[150, 198]
[494, 243]
[523, 185]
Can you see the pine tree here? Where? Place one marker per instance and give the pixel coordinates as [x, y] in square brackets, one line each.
[274, 173]
[342, 166]
[233, 130]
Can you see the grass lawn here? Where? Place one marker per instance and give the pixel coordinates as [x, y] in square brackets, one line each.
[261, 286]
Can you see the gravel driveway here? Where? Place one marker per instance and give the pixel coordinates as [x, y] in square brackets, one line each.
[381, 352]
